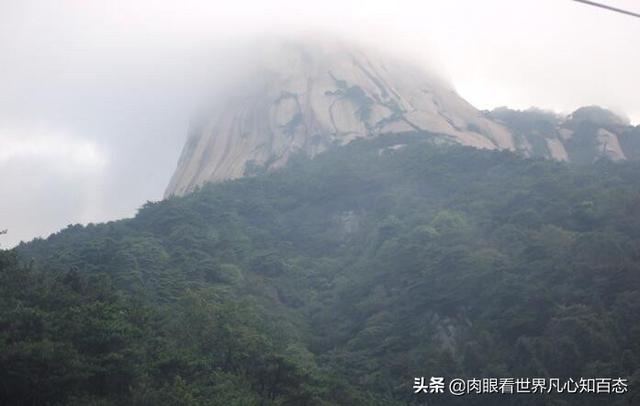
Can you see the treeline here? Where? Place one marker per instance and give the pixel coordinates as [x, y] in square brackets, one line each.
[337, 280]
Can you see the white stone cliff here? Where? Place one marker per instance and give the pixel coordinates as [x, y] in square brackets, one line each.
[308, 96]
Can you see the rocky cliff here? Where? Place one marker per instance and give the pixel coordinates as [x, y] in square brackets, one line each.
[588, 134]
[306, 97]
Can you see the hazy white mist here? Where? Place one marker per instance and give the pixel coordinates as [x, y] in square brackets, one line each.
[95, 96]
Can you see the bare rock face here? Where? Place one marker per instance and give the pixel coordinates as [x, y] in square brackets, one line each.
[307, 97]
[584, 136]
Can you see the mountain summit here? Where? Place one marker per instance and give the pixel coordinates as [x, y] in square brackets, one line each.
[307, 96]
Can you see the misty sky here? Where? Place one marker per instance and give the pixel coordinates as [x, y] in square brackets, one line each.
[95, 96]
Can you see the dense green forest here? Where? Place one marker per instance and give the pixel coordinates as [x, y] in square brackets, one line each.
[337, 280]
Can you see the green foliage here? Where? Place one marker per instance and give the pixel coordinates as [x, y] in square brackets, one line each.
[335, 280]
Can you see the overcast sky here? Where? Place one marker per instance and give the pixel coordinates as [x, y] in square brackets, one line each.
[95, 96]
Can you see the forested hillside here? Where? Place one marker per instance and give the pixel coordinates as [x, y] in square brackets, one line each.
[337, 280]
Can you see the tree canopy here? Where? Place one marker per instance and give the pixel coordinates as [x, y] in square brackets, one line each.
[336, 280]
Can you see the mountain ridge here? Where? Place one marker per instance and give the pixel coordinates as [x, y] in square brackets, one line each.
[308, 96]
[587, 134]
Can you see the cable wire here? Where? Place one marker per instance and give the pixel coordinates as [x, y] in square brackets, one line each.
[604, 6]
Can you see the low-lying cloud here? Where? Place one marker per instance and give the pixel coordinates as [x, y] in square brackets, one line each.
[96, 96]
